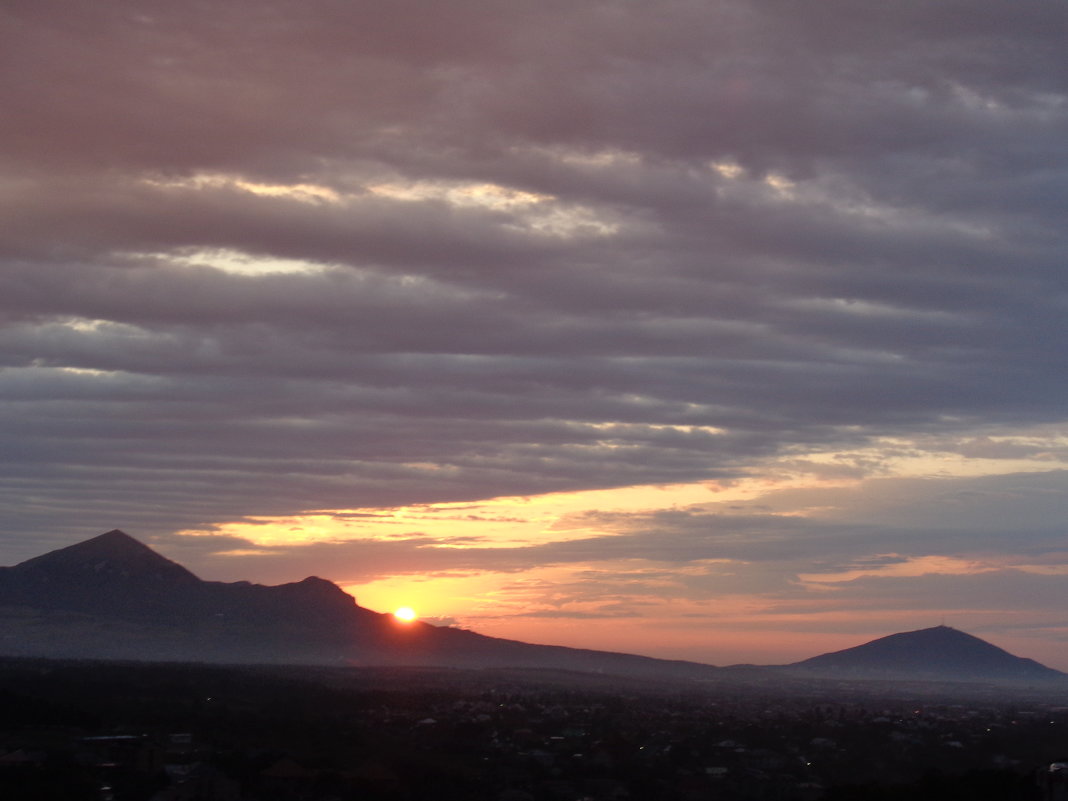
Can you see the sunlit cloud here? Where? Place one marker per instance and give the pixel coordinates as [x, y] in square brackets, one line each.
[299, 192]
[539, 213]
[728, 169]
[247, 264]
[86, 371]
[896, 566]
[506, 522]
[490, 196]
[601, 159]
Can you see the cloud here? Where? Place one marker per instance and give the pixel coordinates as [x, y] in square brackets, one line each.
[273, 258]
[806, 548]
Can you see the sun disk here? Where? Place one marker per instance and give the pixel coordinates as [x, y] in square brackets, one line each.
[405, 614]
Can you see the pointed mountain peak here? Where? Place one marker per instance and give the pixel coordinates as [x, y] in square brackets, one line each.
[115, 535]
[115, 541]
[114, 556]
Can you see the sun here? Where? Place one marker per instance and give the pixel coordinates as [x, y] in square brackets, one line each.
[405, 614]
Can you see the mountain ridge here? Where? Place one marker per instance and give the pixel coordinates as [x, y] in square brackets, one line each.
[113, 597]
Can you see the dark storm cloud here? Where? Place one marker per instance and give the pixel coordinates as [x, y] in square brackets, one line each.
[551, 247]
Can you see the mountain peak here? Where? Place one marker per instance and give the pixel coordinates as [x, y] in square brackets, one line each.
[109, 557]
[315, 588]
[939, 652]
[115, 535]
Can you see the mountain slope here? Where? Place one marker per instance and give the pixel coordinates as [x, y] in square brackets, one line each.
[102, 575]
[113, 597]
[940, 652]
[113, 556]
[116, 576]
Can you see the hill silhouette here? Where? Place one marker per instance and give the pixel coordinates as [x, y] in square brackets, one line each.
[112, 597]
[940, 652]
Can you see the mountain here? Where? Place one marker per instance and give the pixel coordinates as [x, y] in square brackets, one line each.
[114, 556]
[112, 597]
[939, 653]
[115, 576]
[110, 573]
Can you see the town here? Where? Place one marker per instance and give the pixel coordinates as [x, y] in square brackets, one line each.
[160, 732]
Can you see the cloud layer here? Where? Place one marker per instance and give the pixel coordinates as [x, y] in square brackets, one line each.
[264, 258]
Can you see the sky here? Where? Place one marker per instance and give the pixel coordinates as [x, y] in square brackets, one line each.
[721, 330]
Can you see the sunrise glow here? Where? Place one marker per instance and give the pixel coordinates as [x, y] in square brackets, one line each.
[682, 329]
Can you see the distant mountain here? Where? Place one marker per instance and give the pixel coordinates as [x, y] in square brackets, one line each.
[112, 597]
[939, 653]
[115, 576]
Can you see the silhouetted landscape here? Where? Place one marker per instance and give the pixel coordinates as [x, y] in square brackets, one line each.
[112, 597]
[533, 400]
[106, 694]
[132, 732]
